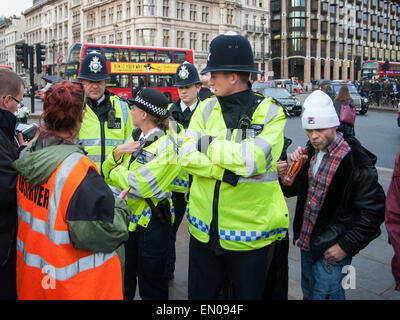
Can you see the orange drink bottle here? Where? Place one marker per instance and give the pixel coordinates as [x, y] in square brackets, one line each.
[293, 170]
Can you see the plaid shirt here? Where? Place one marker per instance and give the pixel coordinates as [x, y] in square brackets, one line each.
[318, 187]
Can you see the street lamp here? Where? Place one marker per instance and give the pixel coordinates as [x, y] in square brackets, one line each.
[263, 22]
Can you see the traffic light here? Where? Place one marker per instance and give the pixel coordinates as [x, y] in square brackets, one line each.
[40, 56]
[357, 63]
[21, 50]
[385, 66]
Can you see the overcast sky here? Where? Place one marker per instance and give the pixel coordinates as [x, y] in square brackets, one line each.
[9, 8]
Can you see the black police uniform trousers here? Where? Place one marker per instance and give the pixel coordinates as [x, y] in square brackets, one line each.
[146, 254]
[209, 271]
[179, 202]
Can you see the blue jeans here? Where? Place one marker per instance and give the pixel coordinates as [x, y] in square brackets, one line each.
[322, 280]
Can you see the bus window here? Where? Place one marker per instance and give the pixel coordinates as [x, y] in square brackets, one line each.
[151, 56]
[164, 56]
[179, 56]
[124, 55]
[110, 54]
[166, 80]
[92, 49]
[139, 81]
[118, 81]
[75, 53]
[154, 80]
[138, 55]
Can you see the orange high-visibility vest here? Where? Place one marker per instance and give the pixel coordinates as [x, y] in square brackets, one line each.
[48, 266]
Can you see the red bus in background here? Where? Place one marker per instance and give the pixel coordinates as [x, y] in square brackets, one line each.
[5, 66]
[371, 69]
[133, 66]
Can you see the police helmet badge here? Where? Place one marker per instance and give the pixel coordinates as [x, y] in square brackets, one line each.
[95, 65]
[183, 73]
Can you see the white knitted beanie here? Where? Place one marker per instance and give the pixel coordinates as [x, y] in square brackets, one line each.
[319, 112]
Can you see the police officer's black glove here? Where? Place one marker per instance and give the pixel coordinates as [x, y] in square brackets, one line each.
[203, 143]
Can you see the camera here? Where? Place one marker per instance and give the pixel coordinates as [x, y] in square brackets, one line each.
[28, 130]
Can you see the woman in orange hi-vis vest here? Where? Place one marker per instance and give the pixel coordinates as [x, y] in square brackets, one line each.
[70, 226]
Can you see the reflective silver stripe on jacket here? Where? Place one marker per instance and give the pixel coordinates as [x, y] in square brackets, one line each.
[124, 110]
[266, 177]
[65, 273]
[208, 109]
[97, 142]
[57, 237]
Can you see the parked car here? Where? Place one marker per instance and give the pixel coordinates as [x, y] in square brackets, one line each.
[290, 84]
[316, 84]
[332, 89]
[42, 92]
[26, 92]
[283, 97]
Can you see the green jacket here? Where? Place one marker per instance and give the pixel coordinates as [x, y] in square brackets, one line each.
[97, 221]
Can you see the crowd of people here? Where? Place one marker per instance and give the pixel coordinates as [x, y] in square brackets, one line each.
[91, 206]
[376, 89]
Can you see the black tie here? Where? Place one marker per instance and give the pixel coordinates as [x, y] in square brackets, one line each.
[187, 113]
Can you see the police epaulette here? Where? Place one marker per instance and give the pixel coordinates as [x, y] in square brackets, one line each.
[212, 96]
[283, 107]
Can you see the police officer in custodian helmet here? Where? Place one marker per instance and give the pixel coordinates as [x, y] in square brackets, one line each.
[236, 207]
[107, 122]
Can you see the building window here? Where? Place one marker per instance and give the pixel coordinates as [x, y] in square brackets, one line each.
[128, 9]
[193, 12]
[119, 12]
[103, 17]
[151, 7]
[180, 39]
[179, 10]
[165, 8]
[111, 15]
[204, 42]
[193, 40]
[139, 8]
[229, 16]
[204, 14]
[165, 38]
[128, 37]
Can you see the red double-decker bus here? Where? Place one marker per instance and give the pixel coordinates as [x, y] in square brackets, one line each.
[133, 66]
[371, 69]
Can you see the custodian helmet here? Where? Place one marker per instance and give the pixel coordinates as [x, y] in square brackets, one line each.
[94, 68]
[230, 52]
[186, 75]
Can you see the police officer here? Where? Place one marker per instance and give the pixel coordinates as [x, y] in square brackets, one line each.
[146, 165]
[107, 122]
[236, 207]
[188, 82]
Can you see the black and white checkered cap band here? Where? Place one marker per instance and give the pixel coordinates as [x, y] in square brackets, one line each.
[155, 109]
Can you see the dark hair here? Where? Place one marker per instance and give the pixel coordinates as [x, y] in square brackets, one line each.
[344, 94]
[62, 107]
[10, 82]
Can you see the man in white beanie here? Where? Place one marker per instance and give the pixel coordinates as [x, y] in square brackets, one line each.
[340, 203]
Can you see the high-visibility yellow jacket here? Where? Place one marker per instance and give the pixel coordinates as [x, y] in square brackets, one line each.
[252, 213]
[97, 139]
[181, 183]
[149, 175]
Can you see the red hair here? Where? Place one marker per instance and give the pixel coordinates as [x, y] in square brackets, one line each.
[62, 107]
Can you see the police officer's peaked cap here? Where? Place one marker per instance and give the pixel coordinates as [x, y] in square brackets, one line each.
[94, 68]
[186, 75]
[230, 52]
[151, 101]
